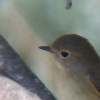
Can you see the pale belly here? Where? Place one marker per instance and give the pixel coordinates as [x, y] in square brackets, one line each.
[70, 87]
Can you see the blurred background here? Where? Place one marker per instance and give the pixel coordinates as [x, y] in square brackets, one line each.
[28, 24]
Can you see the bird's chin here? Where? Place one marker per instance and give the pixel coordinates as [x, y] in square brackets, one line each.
[60, 66]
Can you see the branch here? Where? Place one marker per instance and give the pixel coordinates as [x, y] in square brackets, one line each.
[13, 67]
[10, 90]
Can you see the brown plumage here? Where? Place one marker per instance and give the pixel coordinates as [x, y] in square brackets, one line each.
[79, 69]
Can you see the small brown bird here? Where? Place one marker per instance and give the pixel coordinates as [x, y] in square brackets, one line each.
[77, 75]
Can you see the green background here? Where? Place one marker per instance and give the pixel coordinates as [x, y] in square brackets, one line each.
[27, 24]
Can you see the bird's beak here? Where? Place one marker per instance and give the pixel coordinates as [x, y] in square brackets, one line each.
[46, 48]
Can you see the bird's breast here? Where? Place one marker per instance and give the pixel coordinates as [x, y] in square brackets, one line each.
[73, 87]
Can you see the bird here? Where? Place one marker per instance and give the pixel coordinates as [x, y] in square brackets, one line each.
[77, 70]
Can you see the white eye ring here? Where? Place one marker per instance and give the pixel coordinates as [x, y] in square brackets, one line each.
[65, 54]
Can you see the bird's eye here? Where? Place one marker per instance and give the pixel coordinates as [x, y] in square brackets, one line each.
[64, 54]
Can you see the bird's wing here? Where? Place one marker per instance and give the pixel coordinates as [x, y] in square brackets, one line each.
[95, 77]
